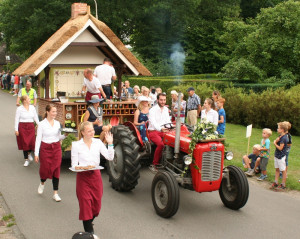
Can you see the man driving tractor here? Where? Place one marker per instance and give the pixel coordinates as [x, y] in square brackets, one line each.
[158, 116]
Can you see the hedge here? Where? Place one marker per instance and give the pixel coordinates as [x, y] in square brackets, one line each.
[263, 110]
[165, 82]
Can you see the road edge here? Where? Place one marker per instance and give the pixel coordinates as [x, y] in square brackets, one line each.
[15, 229]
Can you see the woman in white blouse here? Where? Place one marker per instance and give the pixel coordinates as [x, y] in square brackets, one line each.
[48, 150]
[89, 188]
[208, 113]
[24, 128]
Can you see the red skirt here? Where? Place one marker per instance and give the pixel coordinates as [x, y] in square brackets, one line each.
[89, 95]
[26, 138]
[50, 160]
[89, 191]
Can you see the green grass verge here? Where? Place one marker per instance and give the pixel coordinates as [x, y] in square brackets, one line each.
[238, 143]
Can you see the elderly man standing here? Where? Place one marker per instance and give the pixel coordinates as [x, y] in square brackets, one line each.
[106, 73]
[27, 91]
[91, 85]
[158, 116]
[193, 107]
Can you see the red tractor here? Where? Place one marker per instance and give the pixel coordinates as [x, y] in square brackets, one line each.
[177, 168]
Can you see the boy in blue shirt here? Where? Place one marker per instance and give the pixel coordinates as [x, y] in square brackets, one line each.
[222, 116]
[280, 155]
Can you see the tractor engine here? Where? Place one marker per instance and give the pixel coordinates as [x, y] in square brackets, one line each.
[207, 167]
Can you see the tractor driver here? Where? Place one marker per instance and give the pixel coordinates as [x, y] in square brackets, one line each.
[158, 116]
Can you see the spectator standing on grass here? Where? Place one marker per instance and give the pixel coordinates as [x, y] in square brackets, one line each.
[27, 90]
[193, 107]
[106, 74]
[264, 153]
[280, 156]
[289, 144]
[215, 97]
[250, 160]
[222, 116]
[208, 113]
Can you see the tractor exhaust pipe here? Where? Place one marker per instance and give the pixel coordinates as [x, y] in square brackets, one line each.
[178, 128]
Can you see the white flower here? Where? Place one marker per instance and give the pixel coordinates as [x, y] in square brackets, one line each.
[204, 132]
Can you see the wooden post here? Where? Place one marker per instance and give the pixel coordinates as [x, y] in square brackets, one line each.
[47, 82]
[119, 72]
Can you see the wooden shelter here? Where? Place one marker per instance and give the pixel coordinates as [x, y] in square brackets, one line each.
[82, 42]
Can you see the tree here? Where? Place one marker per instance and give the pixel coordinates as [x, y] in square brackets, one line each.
[27, 24]
[269, 45]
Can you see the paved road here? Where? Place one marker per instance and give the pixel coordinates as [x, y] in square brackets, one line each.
[131, 215]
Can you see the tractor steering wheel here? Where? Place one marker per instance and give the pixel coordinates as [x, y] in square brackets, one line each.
[168, 126]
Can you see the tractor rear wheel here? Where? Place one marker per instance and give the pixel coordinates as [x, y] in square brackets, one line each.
[165, 194]
[123, 171]
[236, 195]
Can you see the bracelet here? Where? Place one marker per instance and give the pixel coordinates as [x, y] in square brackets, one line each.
[111, 145]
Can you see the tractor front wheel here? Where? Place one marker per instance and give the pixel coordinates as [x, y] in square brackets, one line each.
[165, 194]
[234, 194]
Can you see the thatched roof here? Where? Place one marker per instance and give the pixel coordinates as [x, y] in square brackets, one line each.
[67, 33]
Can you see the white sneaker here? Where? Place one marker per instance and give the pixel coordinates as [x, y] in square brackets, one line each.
[26, 163]
[95, 236]
[30, 157]
[56, 197]
[15, 95]
[41, 188]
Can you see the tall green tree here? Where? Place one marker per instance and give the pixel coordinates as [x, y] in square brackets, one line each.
[267, 47]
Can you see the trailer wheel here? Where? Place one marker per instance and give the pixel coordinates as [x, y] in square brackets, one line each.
[235, 196]
[165, 194]
[123, 171]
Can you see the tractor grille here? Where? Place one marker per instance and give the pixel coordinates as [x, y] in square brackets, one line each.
[211, 166]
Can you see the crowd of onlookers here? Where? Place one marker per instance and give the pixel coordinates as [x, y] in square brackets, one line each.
[13, 83]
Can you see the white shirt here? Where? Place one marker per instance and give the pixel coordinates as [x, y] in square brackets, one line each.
[92, 86]
[153, 97]
[81, 155]
[158, 117]
[48, 134]
[104, 73]
[211, 116]
[22, 115]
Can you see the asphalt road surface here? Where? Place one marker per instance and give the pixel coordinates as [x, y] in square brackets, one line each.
[131, 215]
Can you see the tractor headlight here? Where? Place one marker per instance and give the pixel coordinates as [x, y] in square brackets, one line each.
[187, 159]
[229, 155]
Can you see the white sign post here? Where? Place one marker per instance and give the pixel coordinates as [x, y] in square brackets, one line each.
[248, 135]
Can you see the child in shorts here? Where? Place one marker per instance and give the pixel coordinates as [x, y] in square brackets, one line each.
[250, 160]
[280, 155]
[289, 144]
[264, 153]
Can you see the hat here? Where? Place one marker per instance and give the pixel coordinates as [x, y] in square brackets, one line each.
[95, 99]
[174, 92]
[142, 98]
[82, 235]
[191, 88]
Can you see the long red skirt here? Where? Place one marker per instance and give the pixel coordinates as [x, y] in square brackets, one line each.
[89, 95]
[26, 138]
[50, 160]
[89, 191]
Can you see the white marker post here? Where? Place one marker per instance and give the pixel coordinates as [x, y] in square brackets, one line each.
[248, 135]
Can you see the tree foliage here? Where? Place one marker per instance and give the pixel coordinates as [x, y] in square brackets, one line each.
[267, 47]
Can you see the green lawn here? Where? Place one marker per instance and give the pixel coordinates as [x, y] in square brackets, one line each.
[238, 143]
